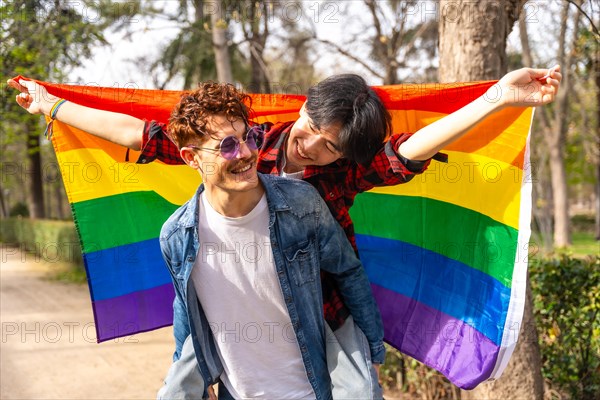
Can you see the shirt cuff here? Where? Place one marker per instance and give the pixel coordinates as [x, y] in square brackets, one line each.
[378, 353]
[414, 166]
[400, 163]
[148, 147]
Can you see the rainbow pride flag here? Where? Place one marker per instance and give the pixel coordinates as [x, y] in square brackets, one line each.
[446, 253]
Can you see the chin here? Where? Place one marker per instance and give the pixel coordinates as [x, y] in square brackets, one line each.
[245, 181]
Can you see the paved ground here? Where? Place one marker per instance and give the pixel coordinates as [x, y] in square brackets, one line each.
[48, 348]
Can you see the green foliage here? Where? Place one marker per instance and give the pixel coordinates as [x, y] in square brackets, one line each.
[583, 223]
[567, 309]
[71, 275]
[19, 210]
[584, 244]
[190, 55]
[53, 241]
[42, 39]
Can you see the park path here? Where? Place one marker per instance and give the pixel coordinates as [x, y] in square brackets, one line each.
[48, 348]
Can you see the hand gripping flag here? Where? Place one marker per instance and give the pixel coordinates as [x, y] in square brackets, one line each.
[446, 253]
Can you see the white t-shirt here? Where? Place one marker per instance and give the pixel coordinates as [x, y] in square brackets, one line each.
[237, 285]
[291, 175]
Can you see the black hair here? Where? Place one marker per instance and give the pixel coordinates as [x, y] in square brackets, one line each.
[346, 99]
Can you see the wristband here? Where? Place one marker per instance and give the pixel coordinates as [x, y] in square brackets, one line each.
[53, 112]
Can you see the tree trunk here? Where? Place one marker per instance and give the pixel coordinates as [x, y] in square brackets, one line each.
[219, 37]
[60, 200]
[558, 175]
[3, 207]
[597, 71]
[391, 74]
[473, 47]
[556, 140]
[257, 17]
[35, 194]
[542, 188]
[473, 38]
[522, 378]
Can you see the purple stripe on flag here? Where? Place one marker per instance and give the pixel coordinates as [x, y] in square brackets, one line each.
[140, 311]
[463, 354]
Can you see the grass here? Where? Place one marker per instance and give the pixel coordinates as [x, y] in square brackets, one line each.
[584, 244]
[70, 274]
[65, 272]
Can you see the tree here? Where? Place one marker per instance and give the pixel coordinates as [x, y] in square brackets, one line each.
[397, 42]
[556, 121]
[43, 39]
[473, 38]
[219, 38]
[190, 54]
[254, 21]
[471, 49]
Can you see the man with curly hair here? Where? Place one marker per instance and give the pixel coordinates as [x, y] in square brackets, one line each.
[245, 255]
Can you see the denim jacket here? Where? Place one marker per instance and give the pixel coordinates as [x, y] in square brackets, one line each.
[304, 238]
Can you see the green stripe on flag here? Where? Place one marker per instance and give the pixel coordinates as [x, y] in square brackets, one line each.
[458, 233]
[126, 218]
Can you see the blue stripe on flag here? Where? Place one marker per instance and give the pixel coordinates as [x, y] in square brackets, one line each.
[126, 269]
[438, 282]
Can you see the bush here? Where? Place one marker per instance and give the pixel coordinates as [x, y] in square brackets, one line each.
[54, 241]
[583, 223]
[567, 310]
[407, 378]
[19, 210]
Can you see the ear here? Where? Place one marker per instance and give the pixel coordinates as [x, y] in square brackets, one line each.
[189, 157]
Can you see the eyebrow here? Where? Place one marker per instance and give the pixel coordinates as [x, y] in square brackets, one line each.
[312, 126]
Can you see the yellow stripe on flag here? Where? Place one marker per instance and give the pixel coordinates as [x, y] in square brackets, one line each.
[478, 183]
[91, 174]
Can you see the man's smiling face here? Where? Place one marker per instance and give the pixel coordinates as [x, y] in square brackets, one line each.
[309, 145]
[219, 174]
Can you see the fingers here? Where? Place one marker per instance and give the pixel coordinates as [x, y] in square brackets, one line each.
[211, 393]
[21, 101]
[24, 100]
[30, 86]
[549, 73]
[16, 85]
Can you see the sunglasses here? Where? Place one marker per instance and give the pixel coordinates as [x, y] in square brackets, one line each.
[230, 145]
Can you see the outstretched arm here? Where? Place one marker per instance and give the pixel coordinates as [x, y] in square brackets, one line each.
[118, 128]
[525, 87]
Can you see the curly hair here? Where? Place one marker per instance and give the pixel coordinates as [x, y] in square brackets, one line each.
[189, 118]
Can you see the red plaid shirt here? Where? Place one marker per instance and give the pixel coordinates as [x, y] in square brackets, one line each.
[338, 183]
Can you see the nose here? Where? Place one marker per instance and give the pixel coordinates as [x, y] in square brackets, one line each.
[244, 151]
[312, 143]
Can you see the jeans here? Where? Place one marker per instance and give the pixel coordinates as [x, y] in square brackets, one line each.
[183, 380]
[348, 361]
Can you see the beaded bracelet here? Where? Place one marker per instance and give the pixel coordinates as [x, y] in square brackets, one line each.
[53, 112]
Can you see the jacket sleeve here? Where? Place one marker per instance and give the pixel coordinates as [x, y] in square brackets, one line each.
[181, 329]
[338, 258]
